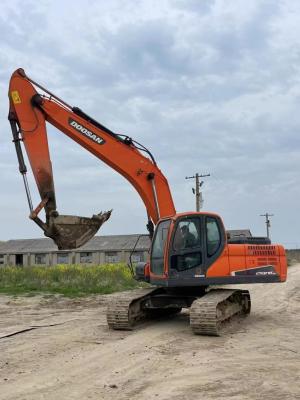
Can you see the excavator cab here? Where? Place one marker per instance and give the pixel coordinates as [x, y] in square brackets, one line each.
[185, 246]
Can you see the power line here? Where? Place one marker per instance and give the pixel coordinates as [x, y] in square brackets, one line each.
[199, 198]
[221, 181]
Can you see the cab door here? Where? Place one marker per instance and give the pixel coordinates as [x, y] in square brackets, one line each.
[186, 252]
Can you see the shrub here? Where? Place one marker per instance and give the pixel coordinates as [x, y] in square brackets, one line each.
[70, 280]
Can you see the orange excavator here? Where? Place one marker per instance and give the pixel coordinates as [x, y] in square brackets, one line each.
[190, 255]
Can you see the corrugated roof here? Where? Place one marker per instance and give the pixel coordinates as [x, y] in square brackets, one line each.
[98, 243]
[1, 245]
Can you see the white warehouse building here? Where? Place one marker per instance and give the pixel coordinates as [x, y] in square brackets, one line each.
[99, 250]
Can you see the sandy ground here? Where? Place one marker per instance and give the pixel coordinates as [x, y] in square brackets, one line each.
[71, 354]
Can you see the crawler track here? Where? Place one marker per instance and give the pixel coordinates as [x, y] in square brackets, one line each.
[126, 310]
[208, 314]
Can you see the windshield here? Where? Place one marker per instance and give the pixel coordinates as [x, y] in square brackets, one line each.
[158, 247]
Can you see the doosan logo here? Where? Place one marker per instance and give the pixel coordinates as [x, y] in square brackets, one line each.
[80, 128]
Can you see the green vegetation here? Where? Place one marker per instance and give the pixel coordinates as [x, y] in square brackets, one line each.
[69, 280]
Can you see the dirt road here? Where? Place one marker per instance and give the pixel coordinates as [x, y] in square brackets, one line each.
[70, 354]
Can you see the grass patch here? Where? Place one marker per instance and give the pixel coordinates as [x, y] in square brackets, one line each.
[69, 280]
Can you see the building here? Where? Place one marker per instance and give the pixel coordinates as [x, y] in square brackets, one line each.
[99, 250]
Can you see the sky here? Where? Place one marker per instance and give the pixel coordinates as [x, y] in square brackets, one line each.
[208, 86]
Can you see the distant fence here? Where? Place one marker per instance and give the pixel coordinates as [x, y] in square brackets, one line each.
[293, 256]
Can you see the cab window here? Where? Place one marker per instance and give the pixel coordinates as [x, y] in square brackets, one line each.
[186, 236]
[213, 236]
[187, 252]
[158, 247]
[182, 262]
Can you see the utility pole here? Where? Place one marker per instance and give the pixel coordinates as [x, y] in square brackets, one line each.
[268, 223]
[199, 199]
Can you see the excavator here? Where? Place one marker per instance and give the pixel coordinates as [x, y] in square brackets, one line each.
[190, 259]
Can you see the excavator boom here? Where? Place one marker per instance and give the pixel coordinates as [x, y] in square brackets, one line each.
[28, 113]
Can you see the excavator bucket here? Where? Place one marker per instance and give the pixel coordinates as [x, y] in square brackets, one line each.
[71, 232]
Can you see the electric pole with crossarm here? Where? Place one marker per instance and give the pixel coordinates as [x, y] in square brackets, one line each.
[268, 223]
[199, 199]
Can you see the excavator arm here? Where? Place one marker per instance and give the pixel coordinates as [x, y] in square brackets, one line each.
[28, 113]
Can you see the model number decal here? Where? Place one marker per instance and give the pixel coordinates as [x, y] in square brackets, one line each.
[82, 129]
[266, 273]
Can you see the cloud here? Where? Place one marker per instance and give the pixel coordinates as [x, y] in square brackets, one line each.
[208, 86]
